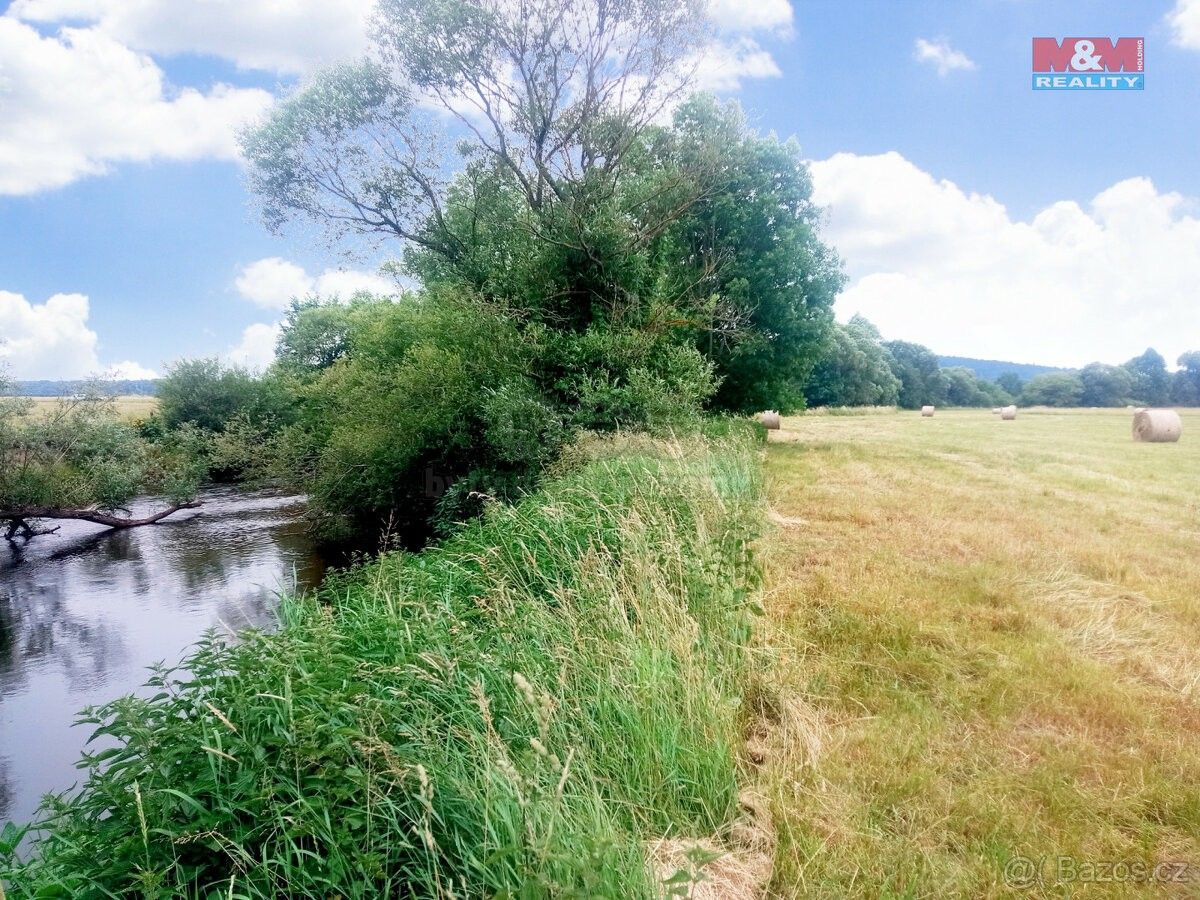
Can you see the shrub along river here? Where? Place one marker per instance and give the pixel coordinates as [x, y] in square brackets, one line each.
[85, 611]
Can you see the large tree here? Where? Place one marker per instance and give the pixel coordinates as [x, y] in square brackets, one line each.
[574, 206]
[965, 388]
[555, 96]
[1010, 382]
[1062, 389]
[1151, 381]
[854, 369]
[1105, 385]
[633, 255]
[1185, 386]
[745, 260]
[921, 379]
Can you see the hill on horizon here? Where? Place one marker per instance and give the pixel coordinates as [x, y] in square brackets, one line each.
[42, 387]
[991, 369]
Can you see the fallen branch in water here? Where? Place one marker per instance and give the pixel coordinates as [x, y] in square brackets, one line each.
[19, 519]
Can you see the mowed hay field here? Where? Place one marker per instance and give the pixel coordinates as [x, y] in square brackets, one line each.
[130, 407]
[992, 630]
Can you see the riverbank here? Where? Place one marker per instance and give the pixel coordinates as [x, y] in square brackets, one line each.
[86, 610]
[554, 701]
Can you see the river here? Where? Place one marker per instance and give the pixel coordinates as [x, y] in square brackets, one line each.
[85, 611]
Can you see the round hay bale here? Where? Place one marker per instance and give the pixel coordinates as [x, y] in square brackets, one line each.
[996, 411]
[1157, 426]
[1008, 413]
[927, 411]
[770, 420]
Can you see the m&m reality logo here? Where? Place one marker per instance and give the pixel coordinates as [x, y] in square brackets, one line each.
[1089, 64]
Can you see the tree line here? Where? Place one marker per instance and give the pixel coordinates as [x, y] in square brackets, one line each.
[858, 368]
[1142, 381]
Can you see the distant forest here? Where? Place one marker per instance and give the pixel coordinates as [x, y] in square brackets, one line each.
[142, 387]
[991, 369]
[858, 368]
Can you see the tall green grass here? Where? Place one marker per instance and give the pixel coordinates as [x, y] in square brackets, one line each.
[514, 713]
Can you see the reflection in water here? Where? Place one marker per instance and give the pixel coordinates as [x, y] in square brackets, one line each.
[6, 792]
[84, 612]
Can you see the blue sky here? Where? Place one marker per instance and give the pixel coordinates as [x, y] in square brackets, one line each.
[973, 214]
[850, 83]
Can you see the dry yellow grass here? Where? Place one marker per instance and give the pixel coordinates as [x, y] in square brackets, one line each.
[128, 406]
[997, 627]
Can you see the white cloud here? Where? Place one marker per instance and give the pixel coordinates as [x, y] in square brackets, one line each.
[74, 104]
[730, 58]
[751, 15]
[50, 340]
[723, 65]
[953, 270]
[1184, 21]
[941, 55]
[291, 37]
[129, 371]
[256, 349]
[53, 340]
[345, 283]
[288, 37]
[273, 283]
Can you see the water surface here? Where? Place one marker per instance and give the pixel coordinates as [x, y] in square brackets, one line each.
[84, 612]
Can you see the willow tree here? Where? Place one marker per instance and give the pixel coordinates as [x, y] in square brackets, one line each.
[552, 100]
[553, 95]
[584, 196]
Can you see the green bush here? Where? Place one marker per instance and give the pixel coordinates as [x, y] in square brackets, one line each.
[429, 392]
[80, 453]
[208, 394]
[612, 379]
[437, 403]
[514, 713]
